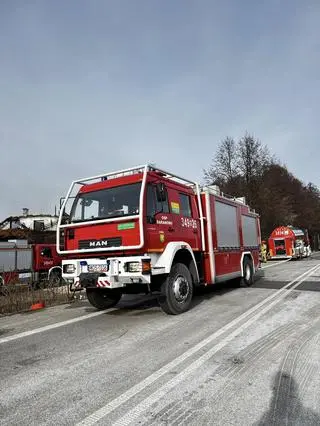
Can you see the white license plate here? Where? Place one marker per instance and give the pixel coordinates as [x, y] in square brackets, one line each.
[97, 268]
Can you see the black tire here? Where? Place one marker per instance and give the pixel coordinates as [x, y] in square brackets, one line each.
[176, 290]
[247, 279]
[103, 299]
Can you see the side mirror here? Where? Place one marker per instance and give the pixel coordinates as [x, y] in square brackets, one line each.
[161, 192]
[151, 219]
[46, 252]
[86, 203]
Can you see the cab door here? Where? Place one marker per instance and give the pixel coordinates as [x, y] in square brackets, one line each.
[159, 220]
[185, 217]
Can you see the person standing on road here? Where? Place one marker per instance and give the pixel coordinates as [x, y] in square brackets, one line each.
[264, 252]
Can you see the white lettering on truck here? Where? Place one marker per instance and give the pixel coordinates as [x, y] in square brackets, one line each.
[98, 243]
[189, 223]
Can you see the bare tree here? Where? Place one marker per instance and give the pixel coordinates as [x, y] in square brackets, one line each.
[253, 158]
[224, 167]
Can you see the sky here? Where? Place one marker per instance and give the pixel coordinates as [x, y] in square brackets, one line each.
[88, 87]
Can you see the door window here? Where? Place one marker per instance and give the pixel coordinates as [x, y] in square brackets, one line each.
[151, 204]
[163, 206]
[185, 205]
[155, 206]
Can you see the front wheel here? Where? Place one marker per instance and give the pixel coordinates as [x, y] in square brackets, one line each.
[103, 299]
[176, 290]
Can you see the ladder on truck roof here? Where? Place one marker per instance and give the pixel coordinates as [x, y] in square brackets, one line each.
[136, 170]
[215, 190]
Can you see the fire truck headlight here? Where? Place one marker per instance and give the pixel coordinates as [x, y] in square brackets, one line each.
[69, 268]
[133, 267]
[143, 267]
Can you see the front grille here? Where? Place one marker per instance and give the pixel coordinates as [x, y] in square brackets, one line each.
[100, 243]
[280, 251]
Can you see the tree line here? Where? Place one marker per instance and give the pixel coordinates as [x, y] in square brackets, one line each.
[245, 167]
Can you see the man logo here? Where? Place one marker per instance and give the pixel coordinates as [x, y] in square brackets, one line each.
[102, 243]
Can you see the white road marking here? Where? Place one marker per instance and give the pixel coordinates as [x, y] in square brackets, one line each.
[275, 264]
[133, 391]
[52, 326]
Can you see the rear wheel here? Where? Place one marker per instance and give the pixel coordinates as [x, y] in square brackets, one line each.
[247, 279]
[177, 290]
[103, 299]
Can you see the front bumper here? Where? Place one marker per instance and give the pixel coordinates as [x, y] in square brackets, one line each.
[106, 273]
[280, 257]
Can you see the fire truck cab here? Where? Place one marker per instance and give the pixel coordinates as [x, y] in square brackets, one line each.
[21, 262]
[147, 230]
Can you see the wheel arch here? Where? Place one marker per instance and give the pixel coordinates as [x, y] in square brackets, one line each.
[53, 270]
[179, 252]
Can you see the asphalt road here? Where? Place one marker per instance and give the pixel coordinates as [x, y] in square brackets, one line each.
[240, 356]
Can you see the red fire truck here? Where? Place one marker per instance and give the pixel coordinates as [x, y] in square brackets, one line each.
[287, 242]
[21, 262]
[146, 230]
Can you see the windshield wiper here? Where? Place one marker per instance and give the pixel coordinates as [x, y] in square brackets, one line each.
[85, 220]
[97, 218]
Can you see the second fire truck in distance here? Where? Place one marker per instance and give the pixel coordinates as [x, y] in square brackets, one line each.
[288, 242]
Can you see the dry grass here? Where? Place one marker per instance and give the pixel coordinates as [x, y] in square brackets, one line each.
[16, 298]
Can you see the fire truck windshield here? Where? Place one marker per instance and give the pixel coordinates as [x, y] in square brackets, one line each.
[106, 203]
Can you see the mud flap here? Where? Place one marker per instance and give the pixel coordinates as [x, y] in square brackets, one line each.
[89, 279]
